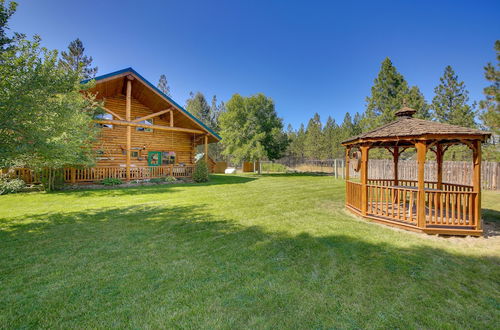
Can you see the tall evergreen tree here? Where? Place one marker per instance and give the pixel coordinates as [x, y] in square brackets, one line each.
[75, 60]
[163, 85]
[198, 106]
[297, 143]
[490, 106]
[356, 124]
[389, 93]
[6, 11]
[332, 138]
[314, 142]
[416, 100]
[450, 103]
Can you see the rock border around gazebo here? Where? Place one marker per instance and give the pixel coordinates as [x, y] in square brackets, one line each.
[417, 205]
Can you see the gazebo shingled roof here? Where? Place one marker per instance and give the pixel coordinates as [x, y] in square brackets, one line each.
[407, 127]
[433, 207]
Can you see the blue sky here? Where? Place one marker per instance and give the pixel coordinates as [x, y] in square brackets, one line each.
[309, 56]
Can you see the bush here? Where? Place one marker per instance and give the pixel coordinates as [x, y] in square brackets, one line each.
[111, 181]
[200, 172]
[170, 179]
[10, 185]
[157, 180]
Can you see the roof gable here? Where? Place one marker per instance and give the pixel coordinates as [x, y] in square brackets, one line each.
[155, 90]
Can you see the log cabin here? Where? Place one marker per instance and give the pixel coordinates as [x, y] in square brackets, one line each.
[144, 133]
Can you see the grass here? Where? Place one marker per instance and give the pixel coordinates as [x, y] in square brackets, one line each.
[238, 252]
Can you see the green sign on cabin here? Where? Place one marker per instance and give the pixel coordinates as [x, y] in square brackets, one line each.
[154, 158]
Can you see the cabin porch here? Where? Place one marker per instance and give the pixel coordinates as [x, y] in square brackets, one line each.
[95, 174]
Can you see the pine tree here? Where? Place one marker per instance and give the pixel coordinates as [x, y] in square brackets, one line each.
[389, 93]
[314, 141]
[416, 100]
[490, 106]
[332, 138]
[356, 124]
[450, 104]
[75, 60]
[6, 11]
[198, 106]
[297, 143]
[163, 85]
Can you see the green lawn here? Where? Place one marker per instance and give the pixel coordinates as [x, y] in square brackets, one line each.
[276, 251]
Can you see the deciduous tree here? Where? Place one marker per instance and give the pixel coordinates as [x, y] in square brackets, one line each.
[251, 129]
[45, 122]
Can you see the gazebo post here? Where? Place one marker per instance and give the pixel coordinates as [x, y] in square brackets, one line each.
[364, 178]
[439, 160]
[396, 161]
[476, 182]
[421, 153]
[347, 151]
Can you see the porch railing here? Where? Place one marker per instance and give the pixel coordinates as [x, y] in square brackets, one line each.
[93, 174]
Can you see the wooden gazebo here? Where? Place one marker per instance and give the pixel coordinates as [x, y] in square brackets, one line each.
[418, 205]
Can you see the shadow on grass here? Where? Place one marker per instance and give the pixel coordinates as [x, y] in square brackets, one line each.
[160, 188]
[129, 259]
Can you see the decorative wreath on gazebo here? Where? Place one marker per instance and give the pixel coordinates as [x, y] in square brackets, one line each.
[356, 160]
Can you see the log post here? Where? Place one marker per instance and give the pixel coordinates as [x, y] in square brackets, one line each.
[364, 178]
[396, 161]
[439, 161]
[346, 171]
[421, 153]
[476, 183]
[206, 149]
[73, 175]
[129, 128]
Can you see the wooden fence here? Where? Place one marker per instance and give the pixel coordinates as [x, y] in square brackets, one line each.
[458, 172]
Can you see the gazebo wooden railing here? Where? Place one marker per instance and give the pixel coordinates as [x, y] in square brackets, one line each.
[433, 207]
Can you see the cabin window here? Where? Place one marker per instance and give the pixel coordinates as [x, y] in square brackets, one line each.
[168, 157]
[145, 129]
[135, 154]
[104, 116]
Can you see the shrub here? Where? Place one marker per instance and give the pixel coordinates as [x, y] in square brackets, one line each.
[10, 185]
[111, 181]
[157, 180]
[170, 179]
[200, 172]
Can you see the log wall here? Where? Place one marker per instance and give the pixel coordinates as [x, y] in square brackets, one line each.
[112, 141]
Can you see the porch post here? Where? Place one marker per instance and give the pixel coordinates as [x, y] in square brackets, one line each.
[129, 128]
[476, 183]
[396, 161]
[206, 148]
[364, 178]
[421, 153]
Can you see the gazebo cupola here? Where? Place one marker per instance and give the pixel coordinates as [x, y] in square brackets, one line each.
[435, 207]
